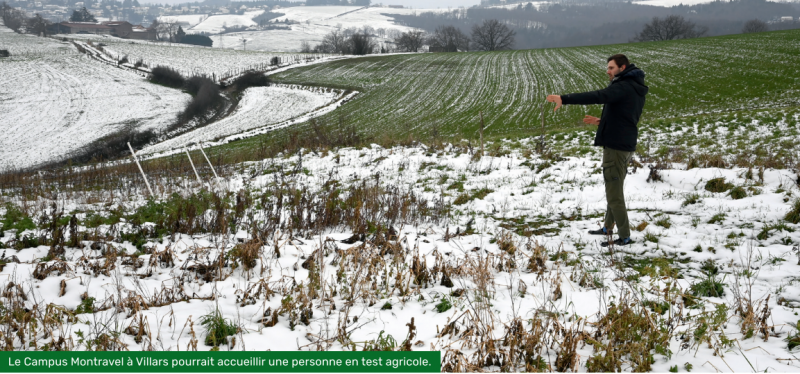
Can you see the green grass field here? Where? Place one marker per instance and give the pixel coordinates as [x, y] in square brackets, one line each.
[416, 93]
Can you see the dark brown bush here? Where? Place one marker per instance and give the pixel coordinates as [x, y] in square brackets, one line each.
[166, 76]
[251, 79]
[206, 100]
[193, 84]
[113, 146]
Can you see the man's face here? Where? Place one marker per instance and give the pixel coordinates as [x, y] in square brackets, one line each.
[613, 69]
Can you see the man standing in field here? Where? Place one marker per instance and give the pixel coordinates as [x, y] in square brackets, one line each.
[617, 131]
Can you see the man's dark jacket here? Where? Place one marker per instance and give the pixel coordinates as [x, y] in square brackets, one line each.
[624, 100]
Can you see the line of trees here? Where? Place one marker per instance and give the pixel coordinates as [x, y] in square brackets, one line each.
[349, 42]
[491, 35]
[338, 2]
[565, 24]
[676, 27]
[168, 31]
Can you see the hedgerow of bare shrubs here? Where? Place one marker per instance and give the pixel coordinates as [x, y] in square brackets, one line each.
[114, 145]
[206, 100]
[193, 84]
[251, 79]
[166, 76]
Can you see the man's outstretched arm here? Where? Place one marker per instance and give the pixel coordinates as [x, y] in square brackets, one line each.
[606, 95]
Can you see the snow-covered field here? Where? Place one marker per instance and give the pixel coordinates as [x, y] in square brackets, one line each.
[30, 45]
[52, 104]
[260, 108]
[215, 24]
[56, 100]
[268, 40]
[196, 60]
[186, 21]
[489, 248]
[190, 60]
[515, 5]
[312, 24]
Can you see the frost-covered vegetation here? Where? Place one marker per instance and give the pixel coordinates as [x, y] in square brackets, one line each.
[426, 246]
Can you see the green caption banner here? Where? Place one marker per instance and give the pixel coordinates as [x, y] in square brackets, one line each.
[220, 362]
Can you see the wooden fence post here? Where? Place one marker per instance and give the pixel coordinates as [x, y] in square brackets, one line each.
[209, 161]
[482, 125]
[140, 169]
[541, 137]
[192, 163]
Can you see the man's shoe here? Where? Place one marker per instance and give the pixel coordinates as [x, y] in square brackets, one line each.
[618, 242]
[602, 231]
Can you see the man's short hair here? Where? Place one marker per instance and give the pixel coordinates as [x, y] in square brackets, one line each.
[619, 59]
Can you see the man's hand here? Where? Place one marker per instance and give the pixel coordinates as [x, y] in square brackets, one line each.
[589, 120]
[555, 99]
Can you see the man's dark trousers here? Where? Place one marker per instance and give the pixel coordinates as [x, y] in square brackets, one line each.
[615, 168]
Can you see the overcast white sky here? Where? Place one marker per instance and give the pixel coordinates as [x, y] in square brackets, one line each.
[407, 3]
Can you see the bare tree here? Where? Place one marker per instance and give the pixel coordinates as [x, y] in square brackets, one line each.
[38, 25]
[167, 31]
[361, 43]
[410, 41]
[492, 36]
[82, 15]
[348, 32]
[448, 39]
[755, 25]
[334, 42]
[305, 47]
[393, 33]
[13, 18]
[671, 27]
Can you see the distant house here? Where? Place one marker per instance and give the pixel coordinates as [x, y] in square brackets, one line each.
[395, 6]
[787, 19]
[142, 33]
[120, 29]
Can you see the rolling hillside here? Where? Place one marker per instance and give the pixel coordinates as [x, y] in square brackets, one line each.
[416, 92]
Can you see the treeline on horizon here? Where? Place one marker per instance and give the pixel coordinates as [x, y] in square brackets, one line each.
[583, 24]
